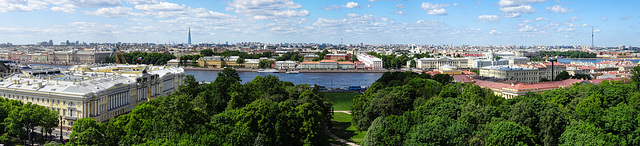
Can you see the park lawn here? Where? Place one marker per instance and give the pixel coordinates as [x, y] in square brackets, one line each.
[341, 100]
[342, 128]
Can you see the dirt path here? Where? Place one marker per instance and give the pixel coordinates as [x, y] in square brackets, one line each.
[346, 112]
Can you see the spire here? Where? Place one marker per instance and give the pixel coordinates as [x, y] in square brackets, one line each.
[189, 35]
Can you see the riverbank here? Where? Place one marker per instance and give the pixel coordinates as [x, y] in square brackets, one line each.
[301, 71]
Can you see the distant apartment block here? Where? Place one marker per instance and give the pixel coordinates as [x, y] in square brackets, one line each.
[370, 61]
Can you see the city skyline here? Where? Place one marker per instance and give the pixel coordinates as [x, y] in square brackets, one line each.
[496, 22]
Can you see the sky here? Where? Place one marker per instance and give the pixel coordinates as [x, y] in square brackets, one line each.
[438, 22]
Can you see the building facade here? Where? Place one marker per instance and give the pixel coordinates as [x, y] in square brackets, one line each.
[98, 92]
[369, 61]
[286, 64]
[435, 63]
[527, 73]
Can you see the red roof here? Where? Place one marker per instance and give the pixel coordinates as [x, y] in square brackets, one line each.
[554, 64]
[587, 67]
[328, 61]
[310, 62]
[462, 78]
[344, 62]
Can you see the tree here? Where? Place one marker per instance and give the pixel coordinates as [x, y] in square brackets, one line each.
[240, 60]
[509, 134]
[582, 134]
[544, 80]
[86, 132]
[443, 78]
[265, 63]
[412, 64]
[562, 76]
[206, 52]
[635, 76]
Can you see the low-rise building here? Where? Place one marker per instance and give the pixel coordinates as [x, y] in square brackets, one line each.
[98, 92]
[528, 73]
[344, 57]
[286, 64]
[435, 63]
[327, 64]
[369, 61]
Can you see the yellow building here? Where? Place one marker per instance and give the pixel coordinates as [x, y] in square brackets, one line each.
[98, 92]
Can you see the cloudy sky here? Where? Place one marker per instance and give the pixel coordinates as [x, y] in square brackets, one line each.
[484, 22]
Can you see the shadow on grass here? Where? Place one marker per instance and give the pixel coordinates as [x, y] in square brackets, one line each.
[340, 130]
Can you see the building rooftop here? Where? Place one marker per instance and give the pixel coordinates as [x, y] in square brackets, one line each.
[82, 80]
[507, 67]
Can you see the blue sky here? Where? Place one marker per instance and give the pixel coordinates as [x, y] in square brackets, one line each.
[495, 22]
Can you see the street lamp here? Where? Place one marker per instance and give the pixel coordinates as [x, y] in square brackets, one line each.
[552, 72]
[61, 141]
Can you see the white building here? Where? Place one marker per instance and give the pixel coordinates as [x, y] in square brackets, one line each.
[435, 63]
[286, 64]
[370, 61]
[98, 92]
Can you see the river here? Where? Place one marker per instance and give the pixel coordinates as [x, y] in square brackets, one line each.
[329, 80]
[567, 60]
[333, 80]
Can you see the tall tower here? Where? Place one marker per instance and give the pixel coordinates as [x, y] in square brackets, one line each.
[592, 46]
[189, 35]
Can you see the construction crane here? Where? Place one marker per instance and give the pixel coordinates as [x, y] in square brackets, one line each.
[119, 56]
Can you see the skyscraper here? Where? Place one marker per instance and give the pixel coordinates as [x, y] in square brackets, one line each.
[189, 35]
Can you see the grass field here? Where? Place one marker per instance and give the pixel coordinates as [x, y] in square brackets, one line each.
[341, 100]
[342, 128]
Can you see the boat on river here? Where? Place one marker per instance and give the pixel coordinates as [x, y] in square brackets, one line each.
[292, 72]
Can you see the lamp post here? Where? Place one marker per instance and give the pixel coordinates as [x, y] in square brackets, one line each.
[552, 72]
[61, 141]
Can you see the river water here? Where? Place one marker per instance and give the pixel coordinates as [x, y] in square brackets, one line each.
[329, 80]
[566, 60]
[333, 80]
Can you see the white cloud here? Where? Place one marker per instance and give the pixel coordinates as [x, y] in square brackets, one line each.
[71, 5]
[574, 18]
[204, 13]
[541, 19]
[430, 6]
[440, 11]
[161, 6]
[510, 3]
[277, 9]
[570, 29]
[511, 15]
[112, 12]
[596, 30]
[527, 21]
[399, 12]
[558, 9]
[488, 18]
[527, 28]
[352, 5]
[62, 9]
[526, 9]
[21, 5]
[434, 9]
[400, 6]
[605, 18]
[493, 31]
